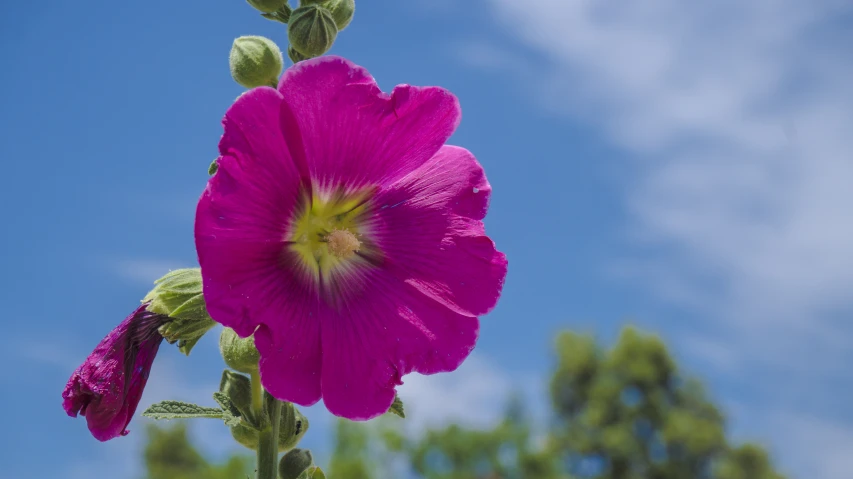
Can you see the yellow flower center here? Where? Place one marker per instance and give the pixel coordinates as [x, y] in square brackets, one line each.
[329, 231]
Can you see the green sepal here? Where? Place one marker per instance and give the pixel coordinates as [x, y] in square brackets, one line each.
[313, 472]
[179, 295]
[295, 56]
[282, 15]
[397, 408]
[238, 389]
[181, 410]
[267, 6]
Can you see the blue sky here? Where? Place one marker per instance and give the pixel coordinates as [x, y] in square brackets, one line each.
[684, 166]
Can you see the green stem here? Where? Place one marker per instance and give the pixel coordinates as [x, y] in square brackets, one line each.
[268, 440]
[257, 395]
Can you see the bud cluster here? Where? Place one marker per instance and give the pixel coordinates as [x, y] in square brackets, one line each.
[312, 28]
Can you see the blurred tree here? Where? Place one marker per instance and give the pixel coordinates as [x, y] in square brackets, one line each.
[622, 413]
[169, 454]
[619, 413]
[350, 458]
[627, 413]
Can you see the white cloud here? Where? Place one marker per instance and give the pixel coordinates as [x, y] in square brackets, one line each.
[474, 395]
[829, 445]
[738, 118]
[740, 114]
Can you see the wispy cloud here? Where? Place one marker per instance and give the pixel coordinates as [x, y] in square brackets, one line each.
[474, 395]
[737, 116]
[143, 270]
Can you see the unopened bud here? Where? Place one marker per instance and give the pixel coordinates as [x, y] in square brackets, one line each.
[291, 429]
[239, 353]
[255, 61]
[342, 11]
[294, 463]
[312, 30]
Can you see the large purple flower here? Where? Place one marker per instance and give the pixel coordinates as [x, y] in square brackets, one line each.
[106, 389]
[344, 234]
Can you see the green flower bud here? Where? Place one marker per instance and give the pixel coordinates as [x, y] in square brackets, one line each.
[291, 429]
[255, 61]
[239, 353]
[342, 11]
[267, 6]
[179, 296]
[238, 388]
[245, 436]
[311, 30]
[294, 463]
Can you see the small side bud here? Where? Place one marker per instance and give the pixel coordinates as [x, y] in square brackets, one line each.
[294, 463]
[239, 353]
[312, 30]
[291, 428]
[238, 388]
[178, 295]
[267, 6]
[255, 61]
[342, 11]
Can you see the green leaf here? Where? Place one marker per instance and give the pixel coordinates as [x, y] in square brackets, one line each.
[181, 410]
[313, 472]
[397, 408]
[229, 413]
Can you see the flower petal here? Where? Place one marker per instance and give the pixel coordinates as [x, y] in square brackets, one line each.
[392, 331]
[428, 226]
[354, 134]
[243, 214]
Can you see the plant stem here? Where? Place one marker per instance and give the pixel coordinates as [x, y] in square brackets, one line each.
[257, 396]
[268, 440]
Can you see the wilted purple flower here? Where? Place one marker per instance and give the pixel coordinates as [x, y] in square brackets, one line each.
[106, 389]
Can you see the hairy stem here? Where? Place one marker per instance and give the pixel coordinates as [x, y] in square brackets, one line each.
[268, 441]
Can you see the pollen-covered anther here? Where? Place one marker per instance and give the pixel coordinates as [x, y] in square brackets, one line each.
[342, 243]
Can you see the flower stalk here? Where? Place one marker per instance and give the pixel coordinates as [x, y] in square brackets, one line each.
[268, 439]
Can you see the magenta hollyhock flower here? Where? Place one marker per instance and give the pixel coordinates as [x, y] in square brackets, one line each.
[346, 236]
[106, 389]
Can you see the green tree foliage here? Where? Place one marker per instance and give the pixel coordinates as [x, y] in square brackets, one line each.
[350, 458]
[625, 412]
[621, 413]
[169, 454]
